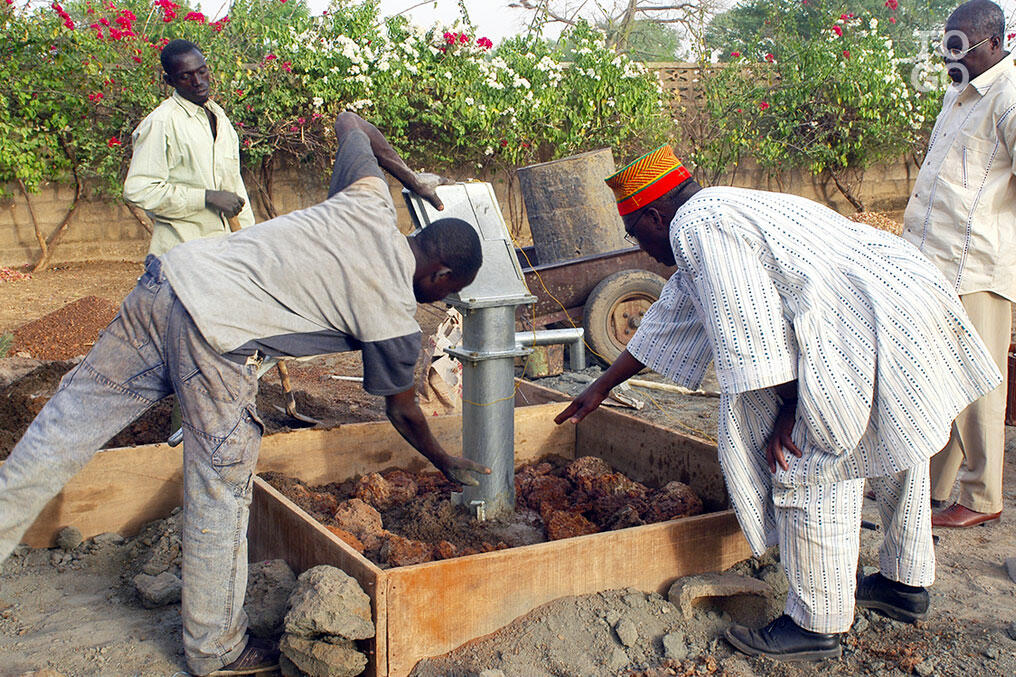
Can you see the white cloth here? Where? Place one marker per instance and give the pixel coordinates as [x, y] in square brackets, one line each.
[962, 211]
[776, 288]
[819, 543]
[175, 161]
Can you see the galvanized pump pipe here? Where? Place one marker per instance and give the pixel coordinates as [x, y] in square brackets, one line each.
[488, 348]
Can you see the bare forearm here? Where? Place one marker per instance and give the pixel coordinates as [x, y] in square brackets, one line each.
[622, 369]
[410, 422]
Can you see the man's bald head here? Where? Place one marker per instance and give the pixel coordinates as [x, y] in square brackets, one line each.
[980, 19]
[975, 30]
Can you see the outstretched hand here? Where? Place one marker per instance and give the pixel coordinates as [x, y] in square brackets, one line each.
[426, 187]
[582, 405]
[781, 439]
[460, 470]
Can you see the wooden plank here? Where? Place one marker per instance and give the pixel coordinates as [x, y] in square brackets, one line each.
[322, 456]
[435, 607]
[122, 489]
[279, 529]
[653, 454]
[119, 490]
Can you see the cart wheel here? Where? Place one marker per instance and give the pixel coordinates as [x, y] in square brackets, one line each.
[615, 308]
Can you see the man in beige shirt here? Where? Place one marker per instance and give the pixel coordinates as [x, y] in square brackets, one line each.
[962, 216]
[185, 171]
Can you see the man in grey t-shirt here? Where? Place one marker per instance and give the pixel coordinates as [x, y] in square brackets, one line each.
[336, 276]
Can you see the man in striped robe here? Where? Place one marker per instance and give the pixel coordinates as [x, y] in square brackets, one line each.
[841, 353]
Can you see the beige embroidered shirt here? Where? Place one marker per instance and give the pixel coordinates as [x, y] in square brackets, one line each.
[962, 211]
[175, 161]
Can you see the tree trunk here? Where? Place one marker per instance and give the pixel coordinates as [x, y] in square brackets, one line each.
[847, 192]
[43, 247]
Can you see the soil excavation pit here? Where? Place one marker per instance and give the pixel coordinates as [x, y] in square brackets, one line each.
[428, 608]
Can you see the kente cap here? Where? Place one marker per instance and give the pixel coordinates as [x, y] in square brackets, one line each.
[649, 177]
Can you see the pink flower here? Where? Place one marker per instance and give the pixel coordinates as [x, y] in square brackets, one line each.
[69, 24]
[843, 17]
[195, 16]
[136, 58]
[735, 54]
[451, 38]
[464, 39]
[294, 128]
[271, 57]
[846, 54]
[838, 31]
[892, 4]
[762, 105]
[1010, 36]
[301, 121]
[94, 97]
[504, 142]
[114, 34]
[892, 19]
[113, 141]
[770, 58]
[246, 142]
[104, 21]
[739, 110]
[485, 43]
[286, 66]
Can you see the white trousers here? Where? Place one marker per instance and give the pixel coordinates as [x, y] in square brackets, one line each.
[818, 527]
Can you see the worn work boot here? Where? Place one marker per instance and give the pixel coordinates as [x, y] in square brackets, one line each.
[784, 640]
[902, 602]
[257, 657]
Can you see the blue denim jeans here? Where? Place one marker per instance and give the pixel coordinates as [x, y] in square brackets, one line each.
[151, 349]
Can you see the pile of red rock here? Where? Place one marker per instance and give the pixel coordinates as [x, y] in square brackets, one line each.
[587, 496]
[573, 498]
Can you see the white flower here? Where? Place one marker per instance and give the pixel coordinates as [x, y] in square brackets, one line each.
[488, 151]
[448, 75]
[317, 101]
[469, 101]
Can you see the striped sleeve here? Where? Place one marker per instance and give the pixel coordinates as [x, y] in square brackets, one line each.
[671, 340]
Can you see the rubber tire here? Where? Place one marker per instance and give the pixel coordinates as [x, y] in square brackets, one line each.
[611, 290]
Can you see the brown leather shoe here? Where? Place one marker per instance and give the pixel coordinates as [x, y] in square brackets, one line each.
[959, 516]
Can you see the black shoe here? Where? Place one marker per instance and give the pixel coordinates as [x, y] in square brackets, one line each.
[895, 600]
[784, 640]
[259, 656]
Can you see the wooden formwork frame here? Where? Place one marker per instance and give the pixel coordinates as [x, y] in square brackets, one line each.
[428, 609]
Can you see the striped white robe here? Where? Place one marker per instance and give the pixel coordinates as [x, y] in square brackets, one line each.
[774, 288]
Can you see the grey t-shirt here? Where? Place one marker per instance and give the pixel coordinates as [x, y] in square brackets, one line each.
[334, 277]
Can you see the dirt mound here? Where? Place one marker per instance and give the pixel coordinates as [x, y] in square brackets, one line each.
[23, 398]
[67, 332]
[397, 518]
[880, 220]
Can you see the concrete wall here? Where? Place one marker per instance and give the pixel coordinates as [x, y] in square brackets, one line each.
[106, 231]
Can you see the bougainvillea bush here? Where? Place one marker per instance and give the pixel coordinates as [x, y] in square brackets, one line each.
[78, 76]
[834, 95]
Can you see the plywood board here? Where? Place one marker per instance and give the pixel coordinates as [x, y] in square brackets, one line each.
[122, 489]
[435, 607]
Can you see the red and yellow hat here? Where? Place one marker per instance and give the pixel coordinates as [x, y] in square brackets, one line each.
[649, 177]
